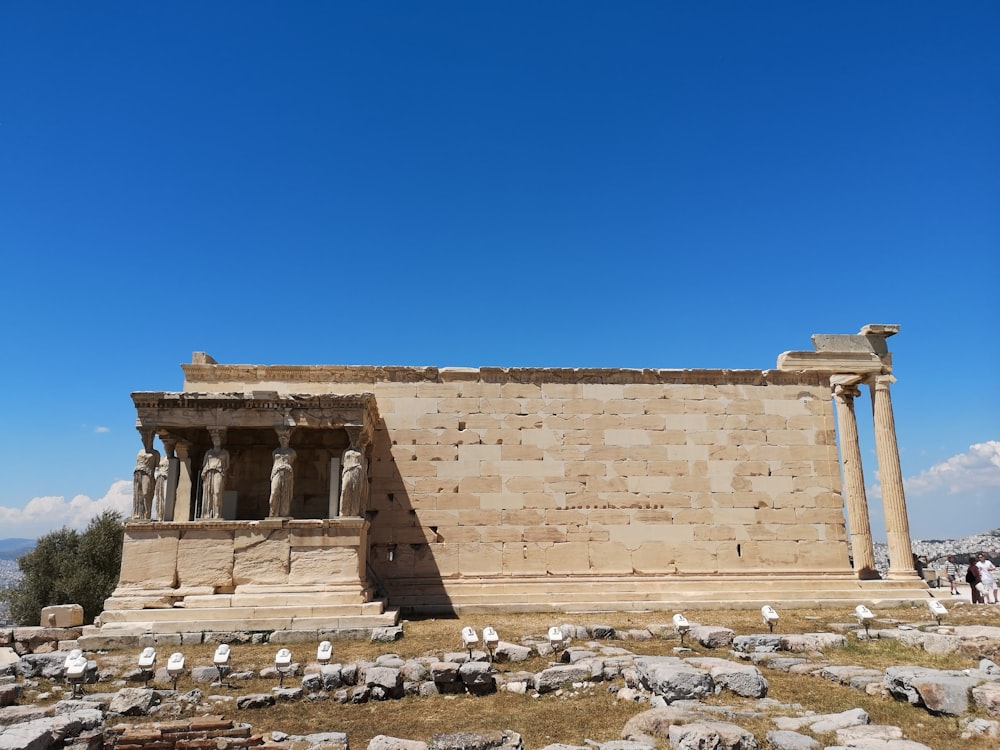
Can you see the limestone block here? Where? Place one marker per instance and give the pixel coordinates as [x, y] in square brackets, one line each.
[498, 501]
[480, 559]
[610, 558]
[260, 556]
[62, 616]
[323, 565]
[478, 518]
[544, 534]
[479, 484]
[780, 553]
[205, 558]
[520, 453]
[458, 534]
[656, 558]
[567, 557]
[456, 501]
[420, 561]
[637, 535]
[524, 559]
[437, 518]
[149, 560]
[626, 438]
[501, 534]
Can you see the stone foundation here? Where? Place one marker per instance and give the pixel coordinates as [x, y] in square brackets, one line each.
[273, 574]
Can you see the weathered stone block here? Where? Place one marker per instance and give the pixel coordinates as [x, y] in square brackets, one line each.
[149, 560]
[205, 558]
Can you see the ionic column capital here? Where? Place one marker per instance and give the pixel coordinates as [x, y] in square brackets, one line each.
[844, 392]
[882, 382]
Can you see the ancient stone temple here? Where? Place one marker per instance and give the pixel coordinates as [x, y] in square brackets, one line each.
[290, 497]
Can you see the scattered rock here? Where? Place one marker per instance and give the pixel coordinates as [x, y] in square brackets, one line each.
[784, 739]
[987, 697]
[134, 701]
[712, 636]
[554, 678]
[711, 734]
[497, 740]
[382, 742]
[938, 691]
[672, 678]
[255, 700]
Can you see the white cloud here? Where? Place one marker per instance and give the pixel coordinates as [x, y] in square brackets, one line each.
[975, 470]
[955, 497]
[101, 429]
[44, 514]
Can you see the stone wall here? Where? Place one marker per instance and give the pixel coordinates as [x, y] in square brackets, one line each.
[507, 474]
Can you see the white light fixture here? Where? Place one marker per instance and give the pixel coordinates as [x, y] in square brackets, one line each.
[282, 663]
[147, 662]
[491, 639]
[556, 639]
[937, 609]
[469, 639]
[324, 653]
[76, 670]
[770, 616]
[221, 661]
[175, 666]
[681, 625]
[864, 617]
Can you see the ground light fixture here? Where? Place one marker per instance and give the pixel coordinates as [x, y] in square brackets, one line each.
[76, 670]
[681, 625]
[770, 616]
[283, 664]
[556, 639]
[147, 663]
[324, 652]
[469, 639]
[221, 661]
[175, 666]
[864, 617]
[491, 640]
[937, 609]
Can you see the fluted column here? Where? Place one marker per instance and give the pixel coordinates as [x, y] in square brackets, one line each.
[897, 525]
[845, 391]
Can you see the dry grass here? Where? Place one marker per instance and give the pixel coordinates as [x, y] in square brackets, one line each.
[589, 714]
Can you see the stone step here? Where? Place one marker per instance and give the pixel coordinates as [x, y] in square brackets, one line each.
[607, 594]
[222, 620]
[201, 614]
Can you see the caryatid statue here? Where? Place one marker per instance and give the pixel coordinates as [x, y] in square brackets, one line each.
[354, 480]
[162, 473]
[143, 481]
[282, 475]
[213, 475]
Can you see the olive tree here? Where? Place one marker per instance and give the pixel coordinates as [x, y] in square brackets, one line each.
[69, 567]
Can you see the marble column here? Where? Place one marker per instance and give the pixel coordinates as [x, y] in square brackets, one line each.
[897, 525]
[845, 391]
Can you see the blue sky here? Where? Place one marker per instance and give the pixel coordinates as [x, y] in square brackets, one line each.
[470, 184]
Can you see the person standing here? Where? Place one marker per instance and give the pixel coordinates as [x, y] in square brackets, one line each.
[987, 574]
[951, 571]
[972, 578]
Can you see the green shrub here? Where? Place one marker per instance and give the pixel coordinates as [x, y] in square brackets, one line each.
[69, 567]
